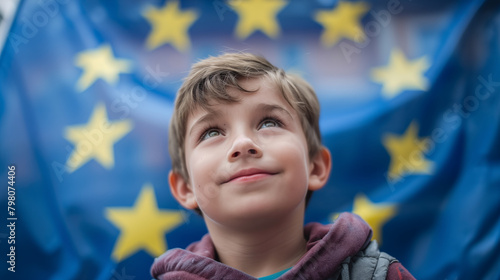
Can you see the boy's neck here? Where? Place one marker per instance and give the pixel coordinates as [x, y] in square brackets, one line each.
[263, 251]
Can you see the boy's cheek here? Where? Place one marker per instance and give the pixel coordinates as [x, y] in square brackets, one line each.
[204, 180]
[205, 195]
[289, 148]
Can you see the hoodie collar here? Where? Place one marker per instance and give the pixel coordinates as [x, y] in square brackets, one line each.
[327, 247]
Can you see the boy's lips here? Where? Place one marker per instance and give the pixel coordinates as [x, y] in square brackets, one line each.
[248, 174]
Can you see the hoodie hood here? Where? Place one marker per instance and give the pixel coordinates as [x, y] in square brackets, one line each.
[327, 247]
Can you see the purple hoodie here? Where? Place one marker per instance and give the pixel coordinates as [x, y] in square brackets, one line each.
[327, 247]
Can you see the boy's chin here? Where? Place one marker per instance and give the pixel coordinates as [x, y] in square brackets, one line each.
[251, 217]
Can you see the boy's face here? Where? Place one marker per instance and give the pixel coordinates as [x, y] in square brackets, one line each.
[247, 160]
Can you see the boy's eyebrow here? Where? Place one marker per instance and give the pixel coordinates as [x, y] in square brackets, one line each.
[208, 117]
[265, 107]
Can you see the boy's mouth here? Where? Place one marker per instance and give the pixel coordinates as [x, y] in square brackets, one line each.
[248, 174]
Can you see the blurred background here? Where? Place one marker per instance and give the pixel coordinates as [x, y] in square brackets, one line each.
[410, 99]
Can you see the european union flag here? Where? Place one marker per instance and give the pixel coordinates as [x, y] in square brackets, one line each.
[410, 96]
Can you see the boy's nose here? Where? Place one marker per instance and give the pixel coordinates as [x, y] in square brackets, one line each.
[244, 147]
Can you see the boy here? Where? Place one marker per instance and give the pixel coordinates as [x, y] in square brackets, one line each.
[246, 154]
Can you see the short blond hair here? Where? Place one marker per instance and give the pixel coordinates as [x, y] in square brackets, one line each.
[208, 80]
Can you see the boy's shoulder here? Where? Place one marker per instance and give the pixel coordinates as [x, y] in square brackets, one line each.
[348, 239]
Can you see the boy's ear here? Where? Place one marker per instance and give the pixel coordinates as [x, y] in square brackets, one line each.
[321, 165]
[182, 191]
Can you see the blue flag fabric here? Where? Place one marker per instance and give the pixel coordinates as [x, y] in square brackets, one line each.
[410, 97]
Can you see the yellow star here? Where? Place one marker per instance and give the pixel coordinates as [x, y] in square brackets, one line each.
[375, 214]
[95, 139]
[170, 25]
[100, 63]
[407, 154]
[343, 21]
[257, 15]
[143, 226]
[401, 74]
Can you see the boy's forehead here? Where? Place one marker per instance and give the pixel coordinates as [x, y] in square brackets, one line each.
[211, 107]
[264, 96]
[254, 83]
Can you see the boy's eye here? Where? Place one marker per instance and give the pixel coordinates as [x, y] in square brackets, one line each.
[210, 133]
[269, 123]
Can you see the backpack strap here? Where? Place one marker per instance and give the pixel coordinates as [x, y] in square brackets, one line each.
[369, 263]
[382, 268]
